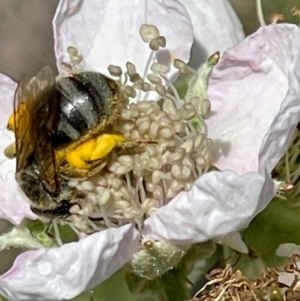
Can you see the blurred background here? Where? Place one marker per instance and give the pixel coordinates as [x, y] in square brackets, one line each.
[26, 31]
[26, 36]
[246, 10]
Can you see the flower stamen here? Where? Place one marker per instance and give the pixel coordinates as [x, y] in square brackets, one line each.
[260, 14]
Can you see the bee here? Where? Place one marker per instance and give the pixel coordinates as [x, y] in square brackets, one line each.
[62, 130]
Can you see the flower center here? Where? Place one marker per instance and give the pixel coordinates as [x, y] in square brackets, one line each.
[172, 152]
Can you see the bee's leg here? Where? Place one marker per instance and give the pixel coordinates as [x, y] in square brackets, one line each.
[93, 150]
[129, 143]
[10, 151]
[88, 158]
[70, 172]
[20, 114]
[99, 148]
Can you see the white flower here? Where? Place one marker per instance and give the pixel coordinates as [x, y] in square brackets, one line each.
[254, 94]
[103, 31]
[219, 202]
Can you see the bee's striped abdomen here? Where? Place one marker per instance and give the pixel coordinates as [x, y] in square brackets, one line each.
[84, 101]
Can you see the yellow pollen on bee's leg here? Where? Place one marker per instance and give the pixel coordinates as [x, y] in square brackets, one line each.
[11, 122]
[105, 144]
[15, 118]
[10, 151]
[93, 149]
[77, 157]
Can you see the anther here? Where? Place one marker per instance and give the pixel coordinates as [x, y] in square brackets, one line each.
[135, 78]
[131, 70]
[138, 85]
[154, 78]
[160, 68]
[295, 11]
[182, 66]
[114, 70]
[146, 87]
[129, 91]
[274, 18]
[72, 51]
[214, 58]
[75, 56]
[160, 89]
[148, 32]
[149, 245]
[158, 42]
[161, 41]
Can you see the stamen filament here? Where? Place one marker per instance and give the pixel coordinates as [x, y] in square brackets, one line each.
[260, 14]
[147, 67]
[142, 190]
[139, 223]
[128, 182]
[191, 84]
[92, 224]
[78, 233]
[280, 196]
[57, 233]
[176, 98]
[105, 218]
[287, 167]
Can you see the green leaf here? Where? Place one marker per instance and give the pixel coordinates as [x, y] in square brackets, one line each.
[279, 223]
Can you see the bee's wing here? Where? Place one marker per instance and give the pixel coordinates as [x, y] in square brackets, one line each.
[21, 122]
[34, 123]
[22, 129]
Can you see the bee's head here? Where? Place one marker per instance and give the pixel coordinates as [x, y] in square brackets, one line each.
[46, 203]
[30, 183]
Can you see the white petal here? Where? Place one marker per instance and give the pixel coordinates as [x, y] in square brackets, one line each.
[218, 204]
[287, 278]
[65, 272]
[255, 103]
[13, 204]
[281, 131]
[233, 240]
[216, 28]
[288, 250]
[107, 31]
